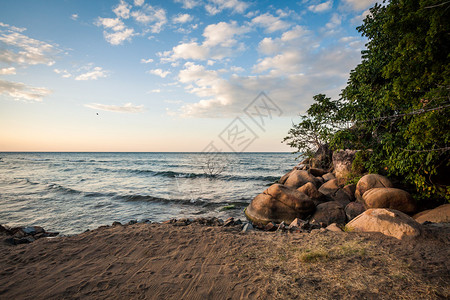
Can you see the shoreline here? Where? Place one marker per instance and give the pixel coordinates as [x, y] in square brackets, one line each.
[166, 260]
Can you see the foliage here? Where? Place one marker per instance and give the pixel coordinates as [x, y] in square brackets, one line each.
[398, 97]
[315, 128]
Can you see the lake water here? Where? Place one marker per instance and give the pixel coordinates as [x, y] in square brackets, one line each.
[72, 192]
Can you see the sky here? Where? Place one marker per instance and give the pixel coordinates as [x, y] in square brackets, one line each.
[173, 75]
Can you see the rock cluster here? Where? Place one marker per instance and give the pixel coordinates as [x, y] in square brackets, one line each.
[24, 235]
[321, 198]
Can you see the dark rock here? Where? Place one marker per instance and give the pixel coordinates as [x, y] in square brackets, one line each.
[132, 222]
[329, 212]
[310, 190]
[341, 197]
[354, 209]
[270, 227]
[330, 187]
[322, 158]
[281, 226]
[238, 222]
[29, 230]
[229, 222]
[350, 190]
[328, 177]
[283, 178]
[116, 223]
[317, 172]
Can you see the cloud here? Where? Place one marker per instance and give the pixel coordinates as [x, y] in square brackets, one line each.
[358, 5]
[126, 108]
[182, 18]
[122, 10]
[117, 38]
[270, 22]
[74, 17]
[8, 71]
[322, 7]
[188, 4]
[139, 2]
[150, 14]
[293, 69]
[155, 91]
[115, 24]
[21, 49]
[159, 72]
[93, 74]
[217, 6]
[219, 42]
[146, 61]
[13, 28]
[21, 91]
[64, 73]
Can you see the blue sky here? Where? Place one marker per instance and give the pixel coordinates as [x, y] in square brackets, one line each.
[140, 75]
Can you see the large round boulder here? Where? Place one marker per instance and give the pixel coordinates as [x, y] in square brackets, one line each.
[387, 221]
[300, 177]
[330, 187]
[279, 203]
[328, 213]
[389, 198]
[371, 181]
[440, 214]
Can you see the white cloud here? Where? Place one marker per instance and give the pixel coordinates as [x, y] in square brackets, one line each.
[22, 49]
[93, 74]
[220, 42]
[270, 22]
[21, 91]
[155, 91]
[139, 2]
[122, 10]
[217, 6]
[150, 14]
[322, 7]
[13, 28]
[64, 73]
[118, 37]
[334, 22]
[146, 61]
[74, 17]
[182, 18]
[359, 5]
[126, 108]
[188, 4]
[159, 72]
[359, 18]
[115, 24]
[8, 71]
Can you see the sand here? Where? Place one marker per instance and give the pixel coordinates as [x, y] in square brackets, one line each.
[162, 261]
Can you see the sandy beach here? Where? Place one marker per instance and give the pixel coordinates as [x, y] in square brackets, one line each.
[163, 261]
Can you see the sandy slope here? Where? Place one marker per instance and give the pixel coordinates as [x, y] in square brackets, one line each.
[162, 261]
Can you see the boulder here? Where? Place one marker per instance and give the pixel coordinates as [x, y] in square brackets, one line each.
[322, 158]
[342, 162]
[317, 172]
[283, 178]
[440, 214]
[329, 187]
[334, 227]
[350, 190]
[389, 222]
[341, 197]
[329, 212]
[279, 203]
[354, 209]
[389, 198]
[310, 189]
[371, 181]
[328, 177]
[299, 177]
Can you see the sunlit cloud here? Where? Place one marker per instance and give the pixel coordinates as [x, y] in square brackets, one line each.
[74, 17]
[126, 108]
[21, 91]
[159, 72]
[8, 71]
[322, 7]
[93, 74]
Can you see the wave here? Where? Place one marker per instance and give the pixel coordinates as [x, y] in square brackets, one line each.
[62, 189]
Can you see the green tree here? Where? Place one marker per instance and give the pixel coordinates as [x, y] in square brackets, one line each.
[398, 96]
